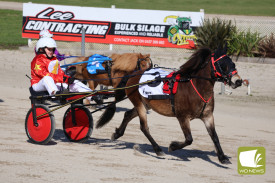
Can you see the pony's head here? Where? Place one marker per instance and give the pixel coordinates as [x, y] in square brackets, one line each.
[144, 62]
[224, 69]
[129, 62]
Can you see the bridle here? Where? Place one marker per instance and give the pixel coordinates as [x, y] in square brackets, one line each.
[143, 59]
[218, 73]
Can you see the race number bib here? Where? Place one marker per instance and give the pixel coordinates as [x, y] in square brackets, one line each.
[53, 67]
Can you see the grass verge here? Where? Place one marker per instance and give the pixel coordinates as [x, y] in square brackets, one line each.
[11, 29]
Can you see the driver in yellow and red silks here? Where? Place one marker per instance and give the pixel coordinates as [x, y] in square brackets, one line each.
[46, 74]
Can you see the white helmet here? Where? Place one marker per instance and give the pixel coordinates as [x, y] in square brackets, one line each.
[45, 42]
[45, 33]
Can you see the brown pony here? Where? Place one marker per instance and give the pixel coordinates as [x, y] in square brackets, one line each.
[120, 66]
[194, 98]
[117, 72]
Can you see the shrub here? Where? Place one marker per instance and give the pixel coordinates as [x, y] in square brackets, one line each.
[214, 33]
[244, 44]
[267, 46]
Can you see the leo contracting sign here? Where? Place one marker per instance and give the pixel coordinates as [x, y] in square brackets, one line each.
[112, 26]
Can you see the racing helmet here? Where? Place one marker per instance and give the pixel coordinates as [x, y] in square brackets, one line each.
[45, 33]
[45, 42]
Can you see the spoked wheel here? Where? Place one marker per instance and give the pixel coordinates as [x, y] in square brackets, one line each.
[43, 132]
[81, 129]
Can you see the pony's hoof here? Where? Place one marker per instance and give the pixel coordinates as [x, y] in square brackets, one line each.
[113, 138]
[173, 146]
[224, 160]
[160, 153]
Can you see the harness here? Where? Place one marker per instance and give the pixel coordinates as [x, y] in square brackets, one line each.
[143, 59]
[173, 79]
[221, 74]
[204, 100]
[170, 87]
[108, 69]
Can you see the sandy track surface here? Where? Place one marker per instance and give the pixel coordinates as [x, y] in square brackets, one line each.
[11, 5]
[240, 121]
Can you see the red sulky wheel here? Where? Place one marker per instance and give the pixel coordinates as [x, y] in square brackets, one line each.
[81, 130]
[44, 131]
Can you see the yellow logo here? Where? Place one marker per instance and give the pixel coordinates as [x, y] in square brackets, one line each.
[37, 67]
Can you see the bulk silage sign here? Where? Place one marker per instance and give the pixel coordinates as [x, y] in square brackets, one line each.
[112, 25]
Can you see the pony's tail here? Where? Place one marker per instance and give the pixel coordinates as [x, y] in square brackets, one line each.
[109, 113]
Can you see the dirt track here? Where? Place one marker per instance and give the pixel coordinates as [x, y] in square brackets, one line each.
[240, 121]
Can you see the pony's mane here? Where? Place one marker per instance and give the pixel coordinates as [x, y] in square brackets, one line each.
[197, 61]
[126, 62]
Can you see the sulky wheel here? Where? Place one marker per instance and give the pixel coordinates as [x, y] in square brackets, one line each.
[81, 129]
[43, 132]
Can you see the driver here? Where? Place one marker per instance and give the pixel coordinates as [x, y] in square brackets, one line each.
[46, 33]
[46, 74]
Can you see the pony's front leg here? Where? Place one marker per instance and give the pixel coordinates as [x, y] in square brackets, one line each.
[92, 84]
[210, 126]
[128, 116]
[185, 127]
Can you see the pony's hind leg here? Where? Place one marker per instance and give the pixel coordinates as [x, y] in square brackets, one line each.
[128, 116]
[142, 112]
[185, 126]
[209, 123]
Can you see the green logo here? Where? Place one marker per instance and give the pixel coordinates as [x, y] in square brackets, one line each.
[251, 160]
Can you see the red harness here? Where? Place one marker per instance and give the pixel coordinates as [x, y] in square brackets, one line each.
[171, 86]
[205, 101]
[216, 72]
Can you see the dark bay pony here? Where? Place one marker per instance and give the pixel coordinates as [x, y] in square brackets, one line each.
[116, 75]
[194, 98]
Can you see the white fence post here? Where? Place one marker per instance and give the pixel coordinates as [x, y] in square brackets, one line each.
[29, 42]
[248, 88]
[222, 89]
[111, 45]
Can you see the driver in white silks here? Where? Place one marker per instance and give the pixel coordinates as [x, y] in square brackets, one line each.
[46, 74]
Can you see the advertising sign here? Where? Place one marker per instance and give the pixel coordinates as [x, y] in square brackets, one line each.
[112, 25]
